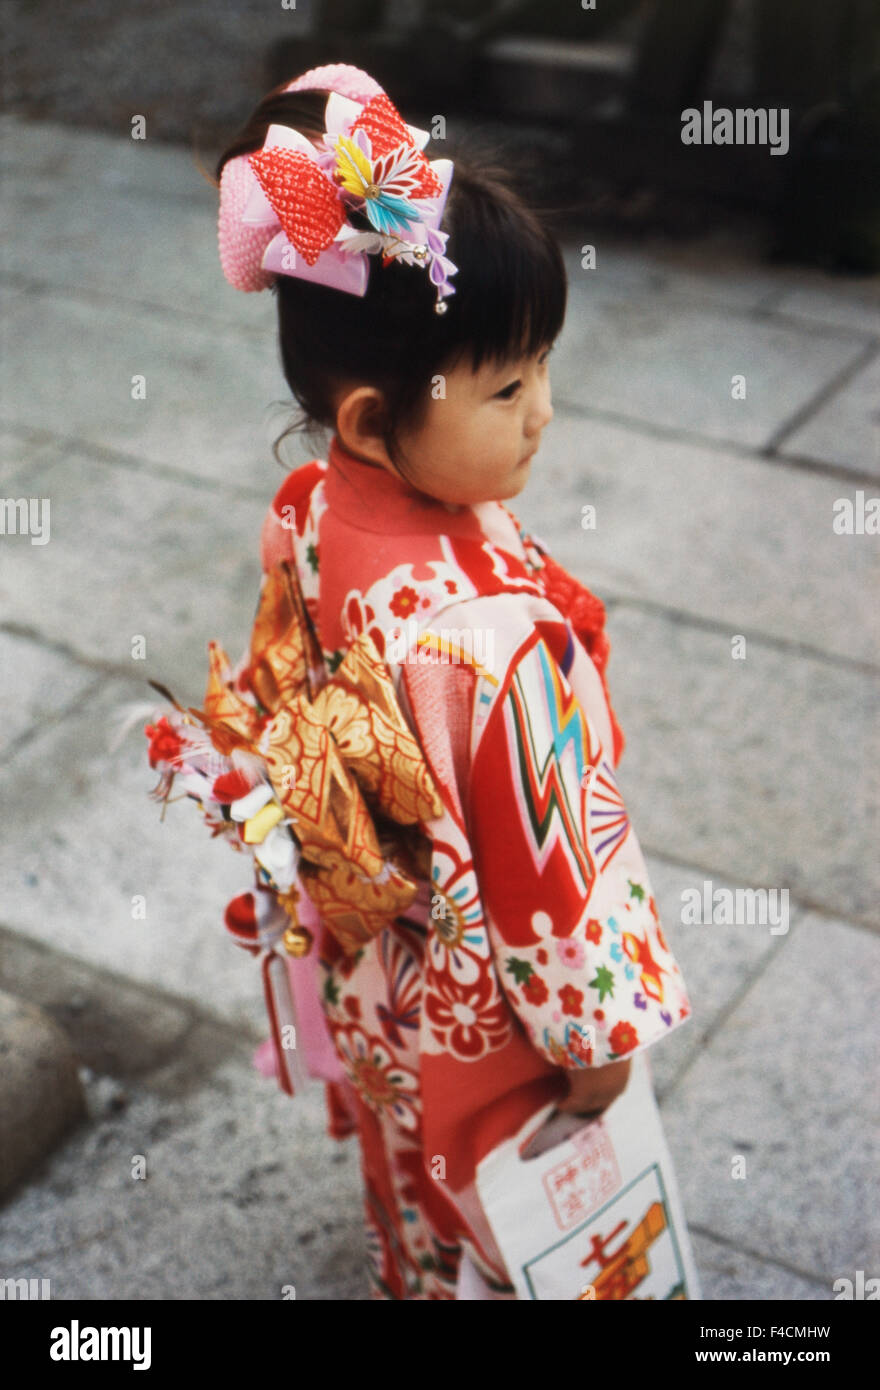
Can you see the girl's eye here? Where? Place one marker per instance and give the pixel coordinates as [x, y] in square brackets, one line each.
[509, 392]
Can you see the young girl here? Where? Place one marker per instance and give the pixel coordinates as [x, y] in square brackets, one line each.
[437, 795]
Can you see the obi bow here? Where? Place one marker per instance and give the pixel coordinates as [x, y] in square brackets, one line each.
[320, 776]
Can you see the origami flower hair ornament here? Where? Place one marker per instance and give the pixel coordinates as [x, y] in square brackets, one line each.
[285, 209]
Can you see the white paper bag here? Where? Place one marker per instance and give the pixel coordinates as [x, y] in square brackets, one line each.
[596, 1216]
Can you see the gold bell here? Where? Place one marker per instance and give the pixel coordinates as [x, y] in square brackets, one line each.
[297, 941]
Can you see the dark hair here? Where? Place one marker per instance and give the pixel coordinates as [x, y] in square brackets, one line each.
[510, 292]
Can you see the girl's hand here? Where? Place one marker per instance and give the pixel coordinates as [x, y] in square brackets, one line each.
[591, 1090]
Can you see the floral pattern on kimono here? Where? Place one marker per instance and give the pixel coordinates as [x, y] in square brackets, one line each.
[534, 947]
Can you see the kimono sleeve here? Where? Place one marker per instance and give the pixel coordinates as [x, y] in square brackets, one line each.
[572, 920]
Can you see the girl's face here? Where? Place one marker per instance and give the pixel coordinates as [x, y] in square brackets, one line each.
[480, 431]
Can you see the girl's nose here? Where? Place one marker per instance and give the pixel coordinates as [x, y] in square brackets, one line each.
[541, 412]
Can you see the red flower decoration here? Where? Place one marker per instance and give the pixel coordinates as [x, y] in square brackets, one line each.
[165, 742]
[572, 1000]
[623, 1037]
[467, 1020]
[451, 585]
[580, 1048]
[231, 786]
[352, 1006]
[541, 956]
[594, 931]
[381, 1082]
[404, 602]
[535, 991]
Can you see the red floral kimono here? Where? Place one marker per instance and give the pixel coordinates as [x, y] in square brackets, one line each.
[534, 946]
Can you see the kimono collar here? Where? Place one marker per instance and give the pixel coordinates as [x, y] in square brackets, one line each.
[372, 499]
[378, 501]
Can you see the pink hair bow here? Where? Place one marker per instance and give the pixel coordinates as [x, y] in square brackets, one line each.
[284, 210]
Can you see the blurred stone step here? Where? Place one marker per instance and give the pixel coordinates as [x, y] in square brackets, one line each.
[551, 78]
[41, 1097]
[116, 1026]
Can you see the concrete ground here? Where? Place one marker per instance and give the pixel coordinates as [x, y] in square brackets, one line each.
[713, 522]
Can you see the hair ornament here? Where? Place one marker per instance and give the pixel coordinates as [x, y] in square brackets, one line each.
[285, 209]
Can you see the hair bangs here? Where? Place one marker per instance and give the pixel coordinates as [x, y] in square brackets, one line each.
[511, 287]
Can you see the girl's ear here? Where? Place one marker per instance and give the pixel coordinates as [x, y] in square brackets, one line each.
[360, 425]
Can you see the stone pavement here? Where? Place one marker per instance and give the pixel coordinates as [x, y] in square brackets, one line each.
[713, 521]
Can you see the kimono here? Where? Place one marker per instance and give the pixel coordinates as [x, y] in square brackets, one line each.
[533, 946]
